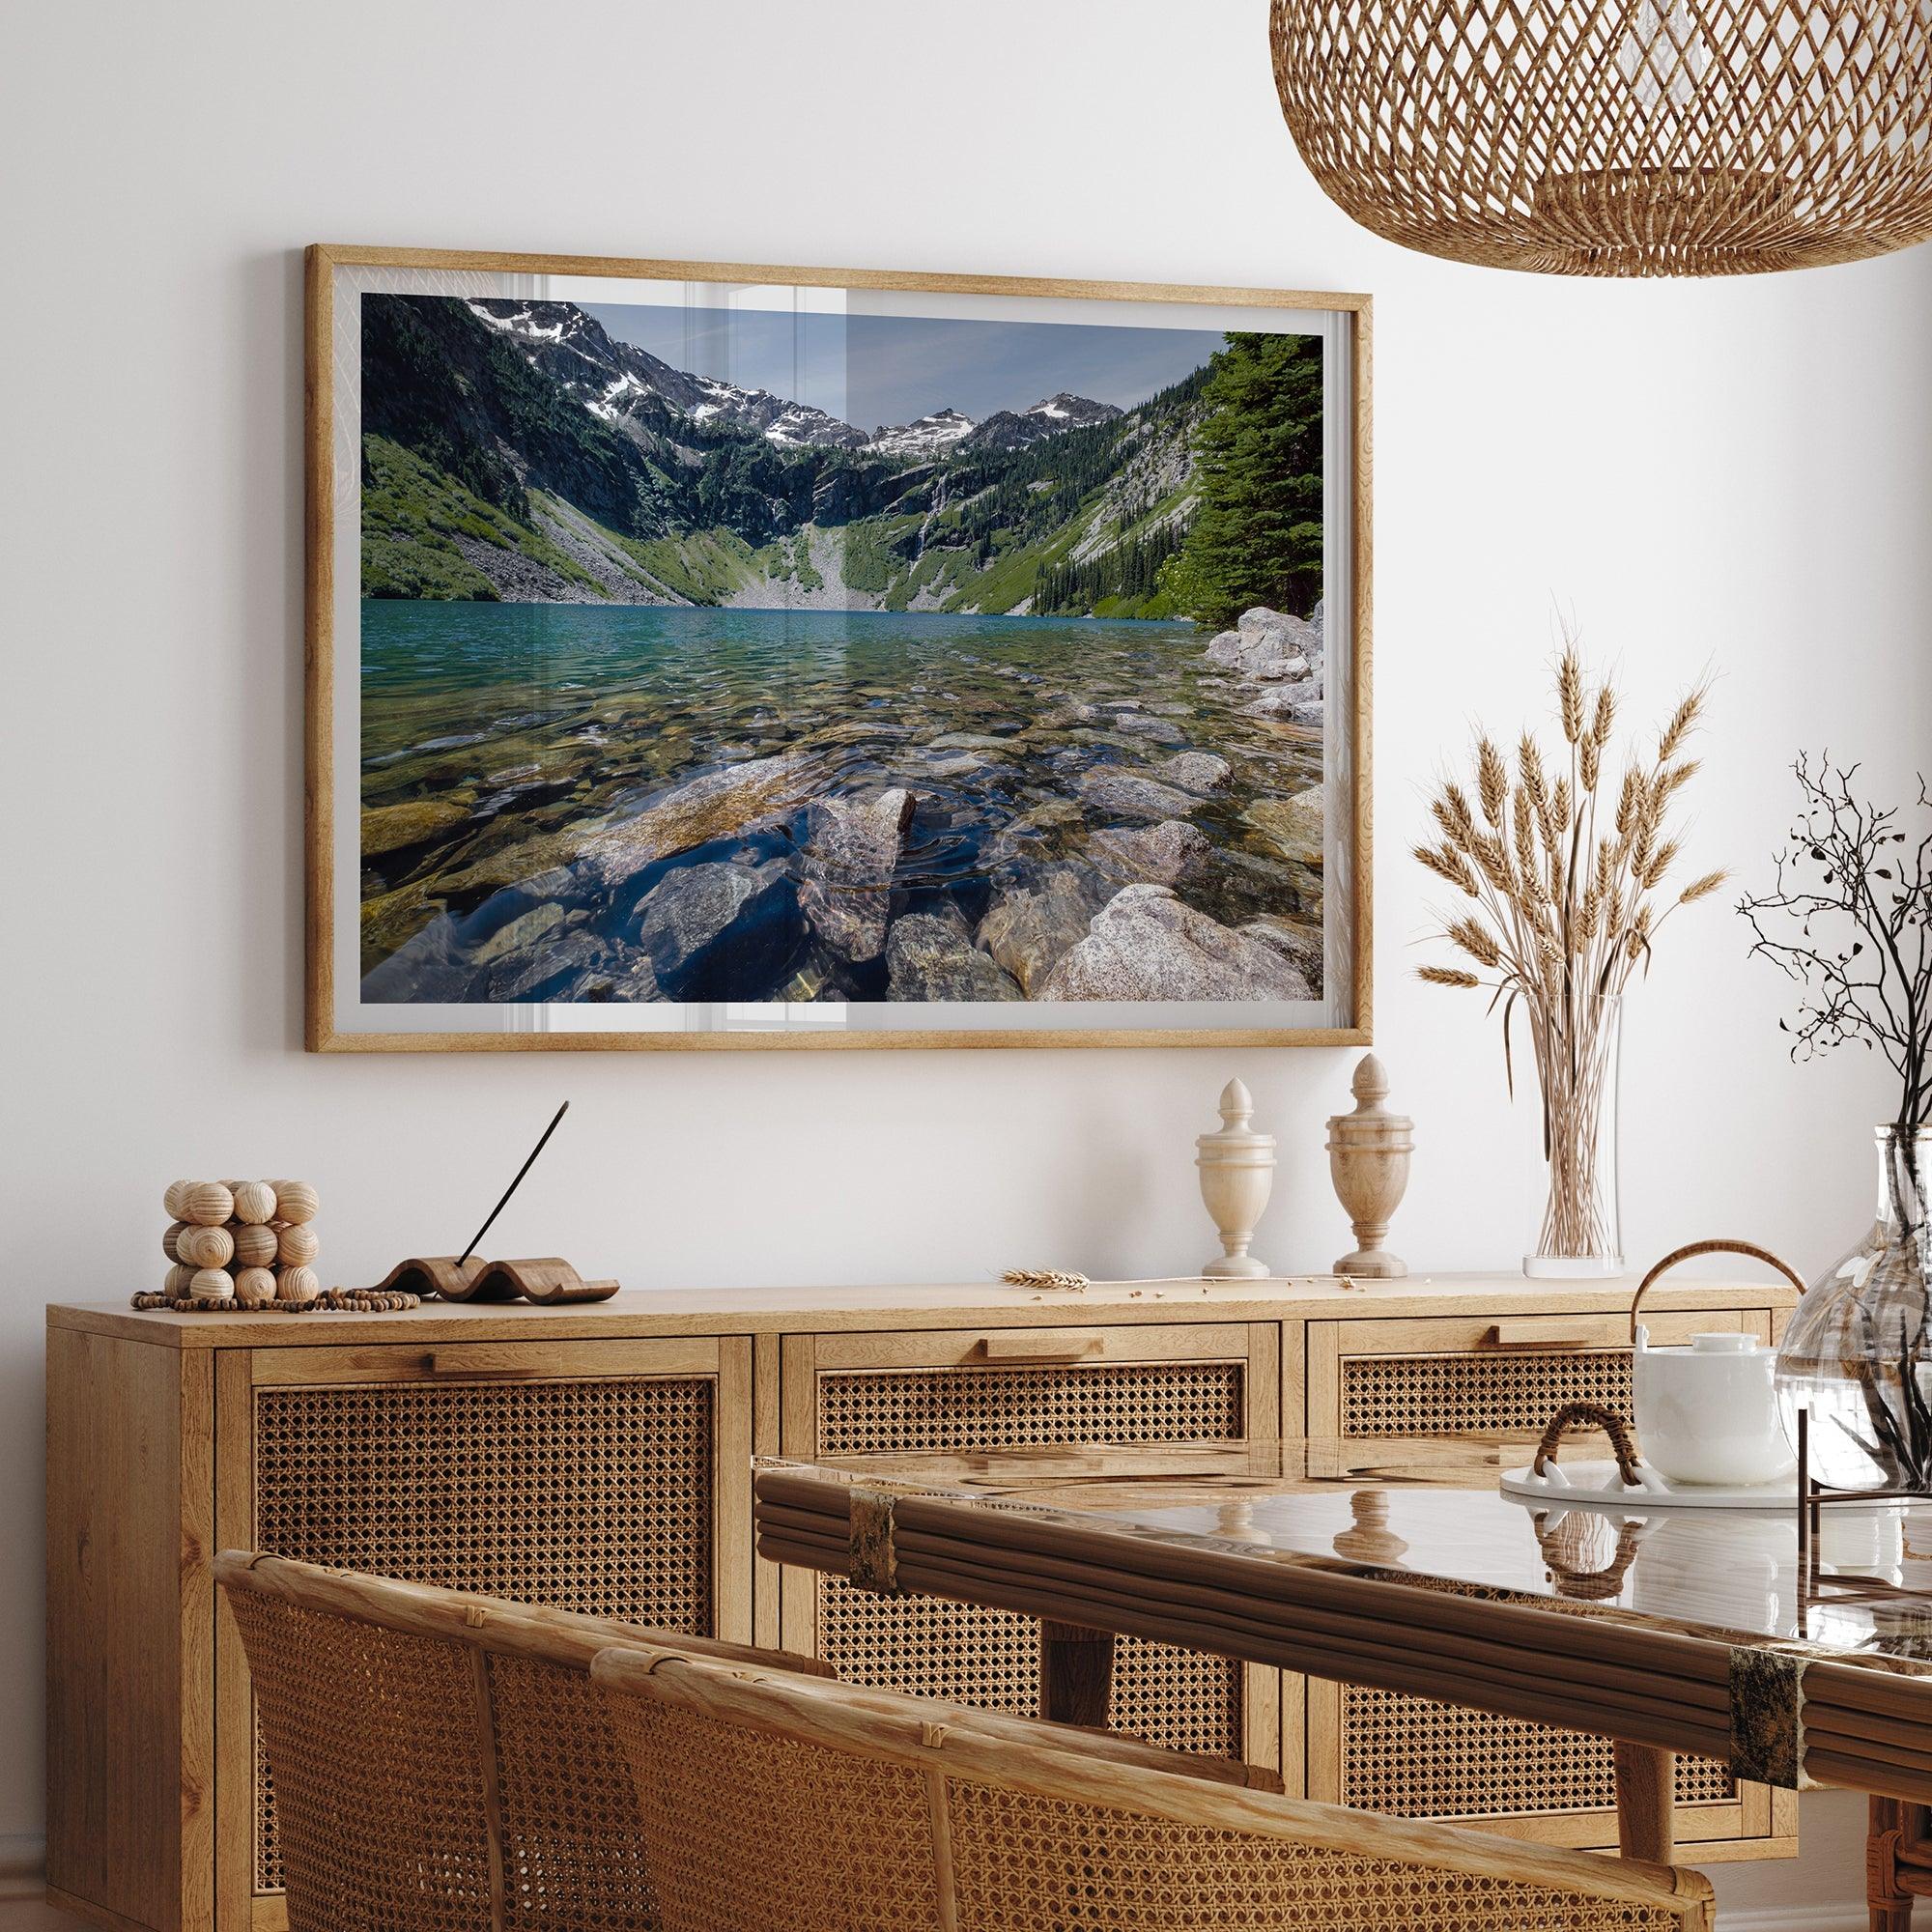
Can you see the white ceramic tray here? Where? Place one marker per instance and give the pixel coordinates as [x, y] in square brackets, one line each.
[1597, 1485]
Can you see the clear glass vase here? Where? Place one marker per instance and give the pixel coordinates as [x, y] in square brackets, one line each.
[1858, 1354]
[1577, 1216]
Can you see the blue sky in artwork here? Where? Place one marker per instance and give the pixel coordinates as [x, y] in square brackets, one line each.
[883, 369]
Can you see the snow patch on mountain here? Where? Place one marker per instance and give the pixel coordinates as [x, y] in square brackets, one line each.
[927, 437]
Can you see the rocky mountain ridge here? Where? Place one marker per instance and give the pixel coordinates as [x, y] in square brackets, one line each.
[518, 451]
[612, 379]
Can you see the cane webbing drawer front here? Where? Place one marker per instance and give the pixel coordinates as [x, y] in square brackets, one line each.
[1442, 1395]
[589, 1495]
[1411, 1756]
[990, 1657]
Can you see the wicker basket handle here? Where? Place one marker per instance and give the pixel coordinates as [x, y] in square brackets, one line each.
[1575, 1414]
[1590, 1587]
[1670, 1262]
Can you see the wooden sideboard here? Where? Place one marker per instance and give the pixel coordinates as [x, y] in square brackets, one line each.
[597, 1458]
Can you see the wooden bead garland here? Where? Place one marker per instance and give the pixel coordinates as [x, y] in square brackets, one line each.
[249, 1245]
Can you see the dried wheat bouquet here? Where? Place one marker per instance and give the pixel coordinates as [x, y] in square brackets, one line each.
[1564, 876]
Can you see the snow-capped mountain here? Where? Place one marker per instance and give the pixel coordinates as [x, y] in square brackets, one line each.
[613, 380]
[619, 382]
[929, 436]
[1016, 429]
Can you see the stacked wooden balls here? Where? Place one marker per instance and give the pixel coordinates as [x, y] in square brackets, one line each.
[249, 1242]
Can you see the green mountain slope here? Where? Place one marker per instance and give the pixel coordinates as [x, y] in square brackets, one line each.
[485, 476]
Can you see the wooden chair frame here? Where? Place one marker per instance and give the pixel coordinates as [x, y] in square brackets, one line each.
[1052, 1762]
[487, 1623]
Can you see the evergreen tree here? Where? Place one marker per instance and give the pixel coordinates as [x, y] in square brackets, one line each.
[1257, 538]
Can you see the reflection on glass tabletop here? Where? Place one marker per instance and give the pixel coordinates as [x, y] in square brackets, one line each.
[1430, 1508]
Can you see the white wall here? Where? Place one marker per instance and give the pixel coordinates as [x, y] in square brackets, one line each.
[1731, 475]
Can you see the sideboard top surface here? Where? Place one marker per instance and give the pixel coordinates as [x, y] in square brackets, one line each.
[750, 1311]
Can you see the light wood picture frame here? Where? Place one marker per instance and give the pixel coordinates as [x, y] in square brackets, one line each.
[657, 701]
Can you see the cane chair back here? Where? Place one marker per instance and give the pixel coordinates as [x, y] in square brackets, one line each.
[442, 1761]
[875, 1813]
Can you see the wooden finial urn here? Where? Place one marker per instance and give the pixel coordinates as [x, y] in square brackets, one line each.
[1368, 1157]
[1237, 1177]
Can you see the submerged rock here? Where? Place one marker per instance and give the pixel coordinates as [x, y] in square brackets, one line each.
[430, 964]
[1145, 943]
[1030, 928]
[693, 916]
[1195, 771]
[1133, 796]
[851, 850]
[1164, 853]
[931, 957]
[716, 806]
[1160, 729]
[562, 970]
[1292, 826]
[520, 934]
[394, 828]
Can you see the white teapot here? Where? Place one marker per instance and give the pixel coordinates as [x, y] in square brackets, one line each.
[1709, 1413]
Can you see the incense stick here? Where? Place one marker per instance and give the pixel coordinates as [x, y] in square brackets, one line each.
[476, 1238]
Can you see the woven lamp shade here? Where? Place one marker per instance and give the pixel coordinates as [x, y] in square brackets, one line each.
[1618, 137]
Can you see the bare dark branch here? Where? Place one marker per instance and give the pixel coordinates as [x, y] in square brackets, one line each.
[1849, 917]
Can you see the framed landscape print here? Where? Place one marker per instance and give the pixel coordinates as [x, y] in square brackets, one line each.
[714, 656]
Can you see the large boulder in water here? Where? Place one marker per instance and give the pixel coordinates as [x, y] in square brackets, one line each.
[1268, 646]
[1148, 945]
[851, 851]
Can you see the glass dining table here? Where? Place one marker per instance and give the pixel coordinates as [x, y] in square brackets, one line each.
[1407, 1565]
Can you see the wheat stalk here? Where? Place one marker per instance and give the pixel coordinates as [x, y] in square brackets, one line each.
[1059, 1278]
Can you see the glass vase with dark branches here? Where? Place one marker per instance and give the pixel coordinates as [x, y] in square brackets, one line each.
[1849, 917]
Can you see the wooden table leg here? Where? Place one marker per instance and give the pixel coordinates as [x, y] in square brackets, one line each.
[1076, 1673]
[1888, 1901]
[1646, 1786]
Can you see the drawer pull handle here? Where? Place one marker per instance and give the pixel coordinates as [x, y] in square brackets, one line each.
[437, 1363]
[1533, 1331]
[1061, 1348]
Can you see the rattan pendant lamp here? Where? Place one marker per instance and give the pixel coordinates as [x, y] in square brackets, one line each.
[1618, 137]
